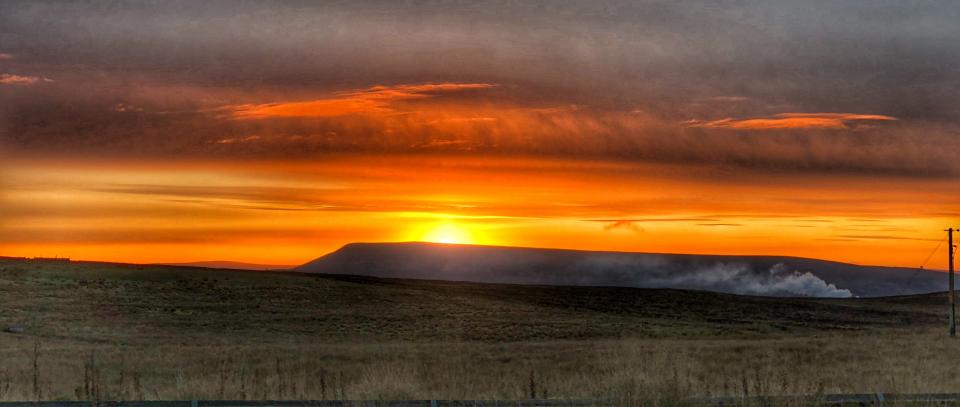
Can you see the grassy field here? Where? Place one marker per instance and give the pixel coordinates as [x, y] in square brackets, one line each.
[108, 331]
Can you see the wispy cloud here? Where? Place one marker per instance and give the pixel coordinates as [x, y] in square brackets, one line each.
[645, 220]
[233, 140]
[11, 79]
[635, 224]
[623, 224]
[4, 55]
[726, 99]
[884, 237]
[792, 121]
[377, 99]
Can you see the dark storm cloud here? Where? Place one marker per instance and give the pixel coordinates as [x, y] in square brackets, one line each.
[617, 79]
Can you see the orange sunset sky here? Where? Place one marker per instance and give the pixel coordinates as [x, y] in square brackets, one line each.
[277, 132]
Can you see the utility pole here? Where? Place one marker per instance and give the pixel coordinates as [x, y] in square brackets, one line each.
[952, 294]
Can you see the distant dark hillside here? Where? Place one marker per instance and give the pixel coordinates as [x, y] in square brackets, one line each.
[749, 275]
[233, 265]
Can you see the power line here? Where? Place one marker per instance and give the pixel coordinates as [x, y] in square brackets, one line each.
[927, 260]
[930, 256]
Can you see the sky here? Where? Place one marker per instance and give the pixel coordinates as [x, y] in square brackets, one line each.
[276, 132]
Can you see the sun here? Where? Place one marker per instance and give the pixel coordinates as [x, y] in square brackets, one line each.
[450, 233]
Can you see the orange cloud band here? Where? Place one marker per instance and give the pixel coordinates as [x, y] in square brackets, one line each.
[793, 121]
[11, 79]
[376, 99]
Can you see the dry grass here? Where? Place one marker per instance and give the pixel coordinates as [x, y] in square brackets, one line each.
[626, 368]
[173, 334]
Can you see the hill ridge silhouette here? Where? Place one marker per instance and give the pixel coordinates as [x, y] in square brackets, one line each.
[782, 276]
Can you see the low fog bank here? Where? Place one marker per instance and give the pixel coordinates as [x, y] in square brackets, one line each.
[746, 275]
[655, 271]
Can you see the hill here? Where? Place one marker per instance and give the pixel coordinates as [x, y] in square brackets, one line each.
[750, 275]
[233, 265]
[104, 301]
[167, 332]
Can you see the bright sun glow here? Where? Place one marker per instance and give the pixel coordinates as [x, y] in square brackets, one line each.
[448, 233]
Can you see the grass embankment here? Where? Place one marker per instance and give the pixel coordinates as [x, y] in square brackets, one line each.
[96, 330]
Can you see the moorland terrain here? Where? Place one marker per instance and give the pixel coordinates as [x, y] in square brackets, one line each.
[81, 330]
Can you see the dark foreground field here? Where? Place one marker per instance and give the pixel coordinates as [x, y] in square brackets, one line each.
[98, 330]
